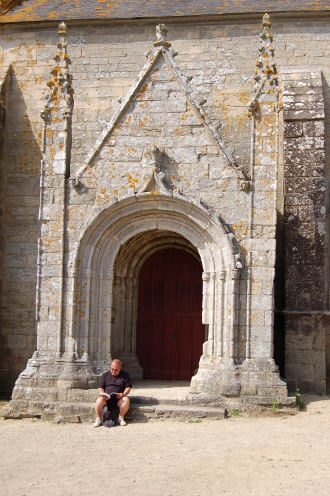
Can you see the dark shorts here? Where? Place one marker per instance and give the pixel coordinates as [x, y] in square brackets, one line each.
[112, 402]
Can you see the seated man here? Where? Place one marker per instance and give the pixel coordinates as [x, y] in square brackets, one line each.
[117, 382]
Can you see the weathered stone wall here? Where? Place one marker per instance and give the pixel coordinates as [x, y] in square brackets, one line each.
[105, 62]
[19, 228]
[306, 264]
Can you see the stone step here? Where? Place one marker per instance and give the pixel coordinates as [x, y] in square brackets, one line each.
[184, 412]
[76, 412]
[84, 412]
[136, 396]
[145, 396]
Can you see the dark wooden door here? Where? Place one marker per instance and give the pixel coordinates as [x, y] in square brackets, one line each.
[170, 333]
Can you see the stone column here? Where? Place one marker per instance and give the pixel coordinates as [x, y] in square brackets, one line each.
[55, 170]
[259, 373]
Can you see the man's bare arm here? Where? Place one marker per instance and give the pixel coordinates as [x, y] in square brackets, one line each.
[125, 393]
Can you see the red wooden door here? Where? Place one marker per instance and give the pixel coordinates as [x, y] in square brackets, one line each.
[170, 333]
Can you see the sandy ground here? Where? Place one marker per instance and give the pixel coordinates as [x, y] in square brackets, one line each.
[281, 455]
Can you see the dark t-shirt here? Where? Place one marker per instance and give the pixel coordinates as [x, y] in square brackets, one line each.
[115, 383]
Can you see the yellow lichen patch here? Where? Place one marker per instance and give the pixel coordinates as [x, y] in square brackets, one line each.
[244, 97]
[105, 9]
[144, 121]
[102, 199]
[241, 229]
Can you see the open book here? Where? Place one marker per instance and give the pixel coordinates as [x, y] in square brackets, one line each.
[108, 396]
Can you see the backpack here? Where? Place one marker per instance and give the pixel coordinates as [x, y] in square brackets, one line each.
[110, 415]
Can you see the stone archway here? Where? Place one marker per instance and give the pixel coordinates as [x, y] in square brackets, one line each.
[107, 264]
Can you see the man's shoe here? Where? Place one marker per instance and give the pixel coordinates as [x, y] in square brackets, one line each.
[121, 421]
[98, 422]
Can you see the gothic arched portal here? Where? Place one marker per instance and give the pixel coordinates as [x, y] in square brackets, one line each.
[110, 256]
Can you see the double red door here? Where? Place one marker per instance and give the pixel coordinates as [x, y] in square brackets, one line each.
[170, 333]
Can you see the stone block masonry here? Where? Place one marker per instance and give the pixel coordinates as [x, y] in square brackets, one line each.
[305, 226]
[171, 125]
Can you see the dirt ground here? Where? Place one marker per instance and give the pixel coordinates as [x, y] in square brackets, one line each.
[277, 455]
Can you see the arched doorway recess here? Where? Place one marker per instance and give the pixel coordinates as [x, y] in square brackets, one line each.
[129, 335]
[170, 332]
[110, 255]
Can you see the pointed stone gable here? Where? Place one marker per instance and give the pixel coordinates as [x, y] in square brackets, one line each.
[159, 113]
[161, 117]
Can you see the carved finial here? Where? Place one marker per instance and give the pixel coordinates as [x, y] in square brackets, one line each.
[265, 76]
[60, 80]
[266, 22]
[161, 34]
[62, 29]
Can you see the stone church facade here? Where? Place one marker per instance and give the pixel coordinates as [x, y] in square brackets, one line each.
[133, 134]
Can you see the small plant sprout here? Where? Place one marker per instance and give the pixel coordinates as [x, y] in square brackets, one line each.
[299, 401]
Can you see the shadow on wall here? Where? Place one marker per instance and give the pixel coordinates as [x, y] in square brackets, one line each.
[19, 177]
[326, 92]
[279, 295]
[301, 279]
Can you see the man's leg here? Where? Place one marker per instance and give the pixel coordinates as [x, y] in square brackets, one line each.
[100, 403]
[123, 406]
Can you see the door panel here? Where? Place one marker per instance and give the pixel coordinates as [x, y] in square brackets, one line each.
[170, 333]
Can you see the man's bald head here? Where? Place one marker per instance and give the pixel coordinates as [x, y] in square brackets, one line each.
[115, 366]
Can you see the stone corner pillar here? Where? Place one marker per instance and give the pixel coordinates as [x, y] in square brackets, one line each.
[254, 378]
[53, 369]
